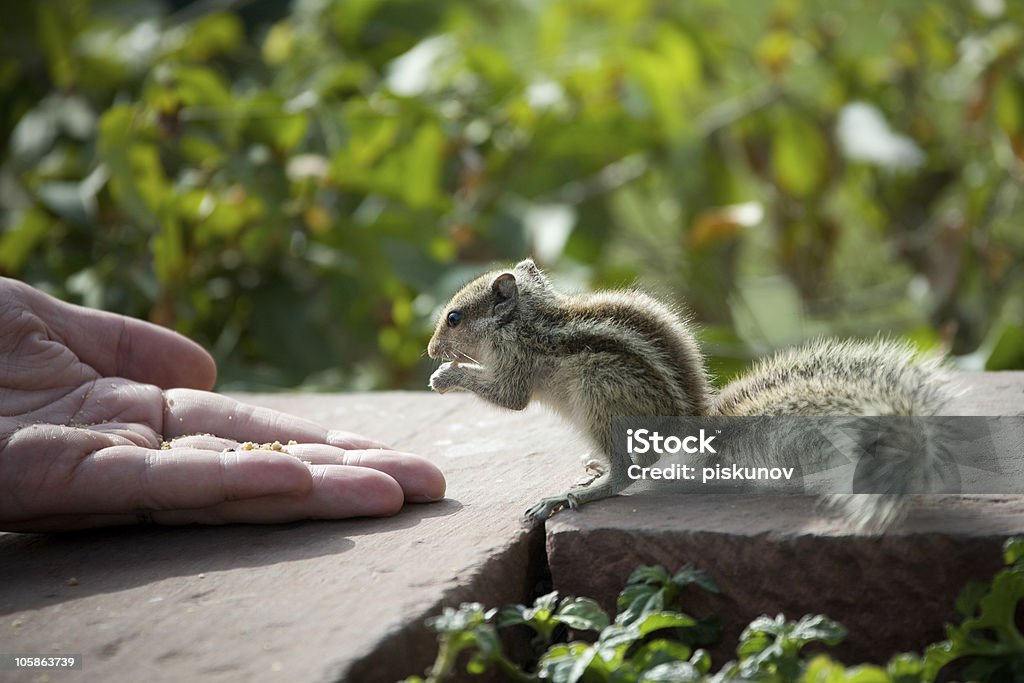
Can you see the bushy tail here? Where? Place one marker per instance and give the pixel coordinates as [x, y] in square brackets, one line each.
[895, 456]
[901, 447]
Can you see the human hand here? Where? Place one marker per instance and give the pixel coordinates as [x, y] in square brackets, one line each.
[86, 404]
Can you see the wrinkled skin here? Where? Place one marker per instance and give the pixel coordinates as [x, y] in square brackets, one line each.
[86, 401]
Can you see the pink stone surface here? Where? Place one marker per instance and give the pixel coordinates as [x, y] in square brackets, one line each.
[345, 600]
[310, 601]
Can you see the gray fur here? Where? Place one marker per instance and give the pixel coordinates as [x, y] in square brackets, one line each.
[592, 357]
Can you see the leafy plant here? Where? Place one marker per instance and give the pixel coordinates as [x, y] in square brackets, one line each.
[651, 641]
[988, 636]
[298, 186]
[622, 651]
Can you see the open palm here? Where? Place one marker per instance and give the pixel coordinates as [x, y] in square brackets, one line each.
[91, 433]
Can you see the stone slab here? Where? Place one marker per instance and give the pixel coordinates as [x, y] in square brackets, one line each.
[312, 601]
[344, 601]
[777, 554]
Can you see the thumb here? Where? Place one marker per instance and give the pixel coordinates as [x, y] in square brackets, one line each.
[118, 346]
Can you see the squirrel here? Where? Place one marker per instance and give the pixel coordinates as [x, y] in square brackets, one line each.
[510, 337]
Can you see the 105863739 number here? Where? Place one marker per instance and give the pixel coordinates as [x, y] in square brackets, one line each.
[34, 661]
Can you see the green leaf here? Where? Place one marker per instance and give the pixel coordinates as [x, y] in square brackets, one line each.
[217, 33]
[660, 651]
[453, 620]
[765, 625]
[488, 650]
[350, 17]
[539, 617]
[1009, 104]
[701, 660]
[34, 133]
[799, 155]
[559, 663]
[1013, 551]
[817, 628]
[545, 603]
[279, 43]
[867, 674]
[511, 615]
[659, 620]
[906, 668]
[635, 601]
[648, 575]
[180, 85]
[822, 669]
[770, 645]
[137, 179]
[644, 592]
[582, 614]
[937, 656]
[587, 661]
[55, 36]
[1008, 352]
[423, 162]
[18, 242]
[673, 672]
[617, 638]
[991, 637]
[689, 574]
[67, 201]
[665, 73]
[270, 122]
[969, 597]
[168, 248]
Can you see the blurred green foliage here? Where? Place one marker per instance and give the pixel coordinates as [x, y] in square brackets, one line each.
[300, 186]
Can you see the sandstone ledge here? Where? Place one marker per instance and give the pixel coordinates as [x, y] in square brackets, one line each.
[336, 601]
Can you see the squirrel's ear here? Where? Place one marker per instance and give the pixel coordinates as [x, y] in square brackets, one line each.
[530, 269]
[528, 265]
[505, 287]
[506, 292]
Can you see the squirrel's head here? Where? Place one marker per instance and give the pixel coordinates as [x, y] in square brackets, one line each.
[475, 317]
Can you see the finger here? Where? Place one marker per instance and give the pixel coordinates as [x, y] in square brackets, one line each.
[343, 439]
[339, 492]
[420, 479]
[211, 442]
[118, 346]
[126, 479]
[203, 442]
[191, 412]
[131, 432]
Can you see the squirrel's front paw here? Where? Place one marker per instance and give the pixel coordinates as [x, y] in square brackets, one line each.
[445, 378]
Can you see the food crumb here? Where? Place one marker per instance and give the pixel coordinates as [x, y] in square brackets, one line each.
[268, 446]
[72, 581]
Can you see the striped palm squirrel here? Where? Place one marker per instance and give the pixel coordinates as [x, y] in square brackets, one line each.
[510, 337]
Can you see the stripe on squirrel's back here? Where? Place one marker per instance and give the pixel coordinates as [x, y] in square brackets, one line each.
[651, 329]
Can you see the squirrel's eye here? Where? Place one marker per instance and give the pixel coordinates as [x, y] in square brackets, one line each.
[454, 318]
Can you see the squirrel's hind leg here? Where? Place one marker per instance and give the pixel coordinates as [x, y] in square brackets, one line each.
[604, 486]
